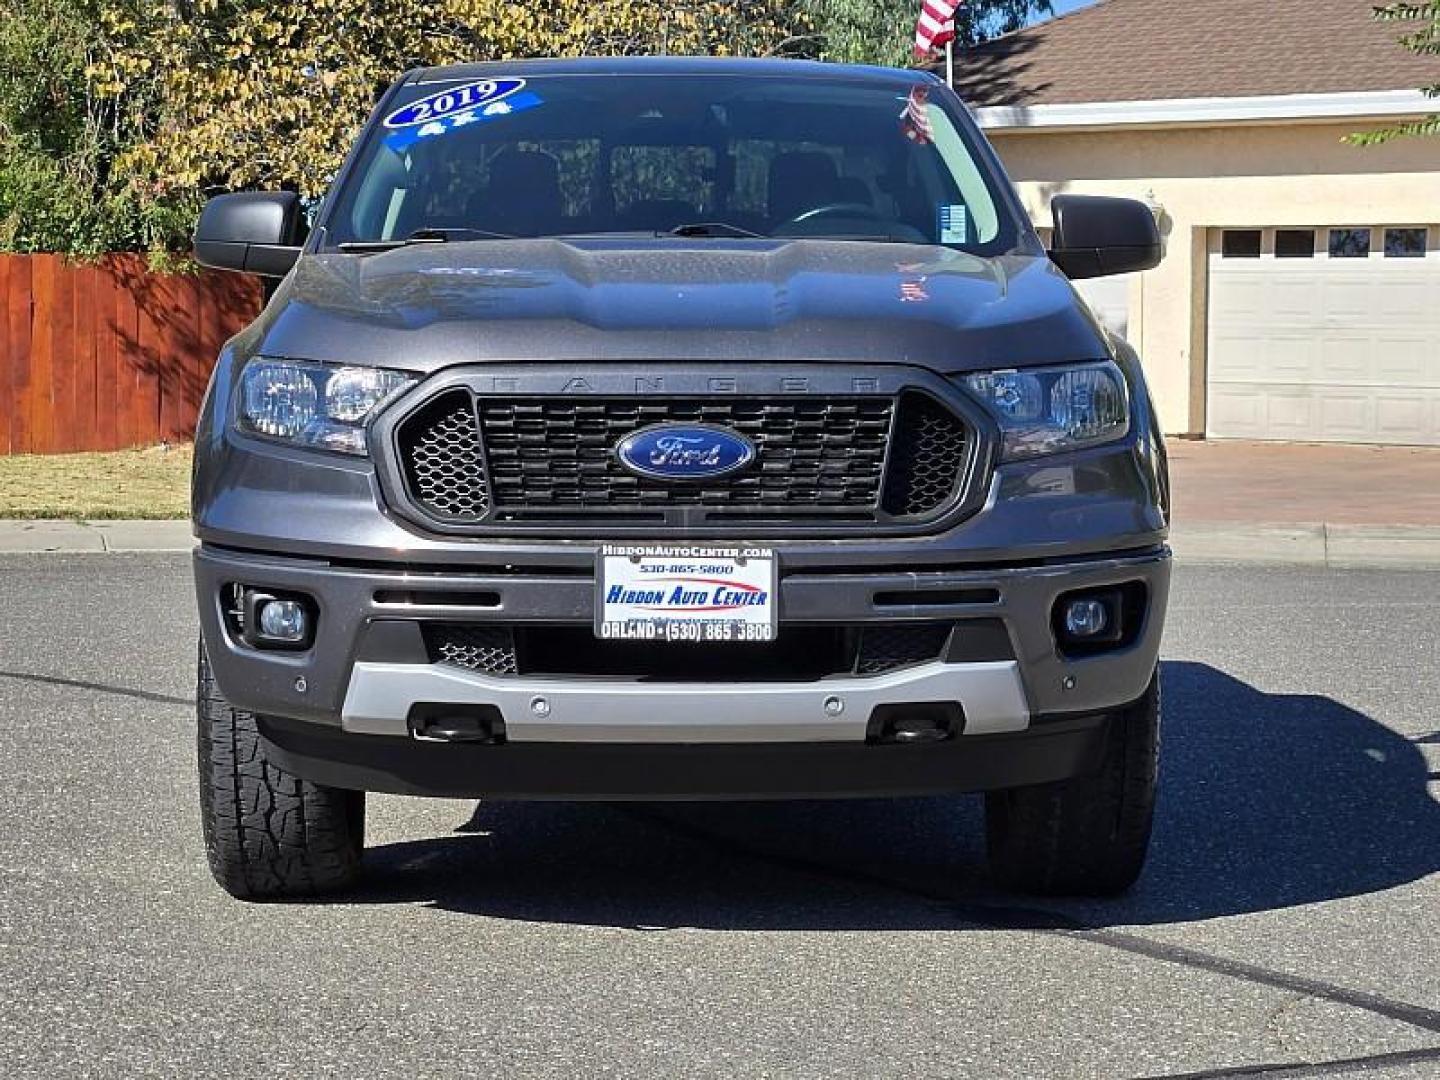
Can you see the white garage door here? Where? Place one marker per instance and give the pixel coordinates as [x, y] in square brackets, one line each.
[1109, 299]
[1325, 334]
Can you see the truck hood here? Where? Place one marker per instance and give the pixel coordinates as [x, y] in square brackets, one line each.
[428, 306]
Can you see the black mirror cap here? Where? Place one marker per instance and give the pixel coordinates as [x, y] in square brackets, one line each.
[255, 232]
[1096, 236]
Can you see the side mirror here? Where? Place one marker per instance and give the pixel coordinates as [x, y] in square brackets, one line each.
[1096, 236]
[257, 232]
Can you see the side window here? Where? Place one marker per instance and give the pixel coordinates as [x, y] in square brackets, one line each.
[663, 174]
[1294, 243]
[1240, 243]
[1349, 243]
[1405, 243]
[579, 165]
[754, 166]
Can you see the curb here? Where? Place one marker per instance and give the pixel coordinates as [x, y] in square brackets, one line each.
[93, 537]
[1334, 547]
[1320, 545]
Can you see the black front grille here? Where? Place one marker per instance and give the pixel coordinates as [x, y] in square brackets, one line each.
[549, 460]
[559, 453]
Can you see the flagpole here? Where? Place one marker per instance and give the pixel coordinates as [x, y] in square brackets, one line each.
[950, 63]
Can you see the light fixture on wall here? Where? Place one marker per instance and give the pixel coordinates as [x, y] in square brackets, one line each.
[1157, 208]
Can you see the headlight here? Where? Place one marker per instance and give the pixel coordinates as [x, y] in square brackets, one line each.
[324, 406]
[1055, 409]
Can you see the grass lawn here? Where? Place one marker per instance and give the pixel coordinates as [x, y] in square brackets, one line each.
[149, 483]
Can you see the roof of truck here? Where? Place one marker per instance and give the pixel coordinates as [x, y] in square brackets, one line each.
[672, 65]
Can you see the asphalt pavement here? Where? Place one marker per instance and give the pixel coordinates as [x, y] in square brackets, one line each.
[1287, 918]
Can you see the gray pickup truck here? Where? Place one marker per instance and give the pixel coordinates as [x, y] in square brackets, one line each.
[676, 429]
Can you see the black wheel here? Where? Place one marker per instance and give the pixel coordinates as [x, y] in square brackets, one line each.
[268, 834]
[1087, 836]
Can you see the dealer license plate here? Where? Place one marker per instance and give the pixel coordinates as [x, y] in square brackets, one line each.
[675, 593]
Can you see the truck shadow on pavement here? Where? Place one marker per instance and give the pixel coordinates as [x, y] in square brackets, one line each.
[1268, 801]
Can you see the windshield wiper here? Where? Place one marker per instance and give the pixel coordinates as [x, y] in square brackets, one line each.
[714, 228]
[423, 236]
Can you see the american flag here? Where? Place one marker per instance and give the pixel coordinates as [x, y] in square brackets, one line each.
[915, 121]
[914, 292]
[935, 27]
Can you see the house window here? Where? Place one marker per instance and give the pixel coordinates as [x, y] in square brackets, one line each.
[1294, 243]
[1349, 243]
[1240, 244]
[1405, 243]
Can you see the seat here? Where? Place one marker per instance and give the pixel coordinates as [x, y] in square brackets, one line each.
[801, 180]
[522, 197]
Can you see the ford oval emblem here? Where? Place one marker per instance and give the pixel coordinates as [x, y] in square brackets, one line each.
[685, 451]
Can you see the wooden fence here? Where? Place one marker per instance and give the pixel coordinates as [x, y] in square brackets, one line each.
[108, 355]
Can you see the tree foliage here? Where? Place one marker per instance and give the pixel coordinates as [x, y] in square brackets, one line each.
[1425, 41]
[59, 138]
[271, 92]
[118, 116]
[883, 31]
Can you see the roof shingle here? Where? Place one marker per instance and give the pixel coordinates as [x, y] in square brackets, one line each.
[1150, 50]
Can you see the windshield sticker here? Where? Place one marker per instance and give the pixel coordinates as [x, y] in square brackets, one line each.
[403, 138]
[954, 223]
[915, 120]
[456, 99]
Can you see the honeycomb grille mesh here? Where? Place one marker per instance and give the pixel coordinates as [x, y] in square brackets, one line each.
[890, 646]
[443, 462]
[927, 458]
[489, 650]
[810, 453]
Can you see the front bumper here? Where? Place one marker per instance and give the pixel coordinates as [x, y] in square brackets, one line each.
[349, 703]
[381, 697]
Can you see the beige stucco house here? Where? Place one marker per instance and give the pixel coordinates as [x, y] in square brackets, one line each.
[1300, 293]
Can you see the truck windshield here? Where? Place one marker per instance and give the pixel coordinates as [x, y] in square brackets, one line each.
[652, 154]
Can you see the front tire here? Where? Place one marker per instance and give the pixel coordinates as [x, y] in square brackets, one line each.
[1087, 836]
[268, 833]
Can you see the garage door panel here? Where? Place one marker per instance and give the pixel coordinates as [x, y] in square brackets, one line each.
[1412, 303]
[1344, 417]
[1237, 296]
[1290, 302]
[1405, 360]
[1288, 359]
[1238, 411]
[1232, 358]
[1406, 418]
[1343, 357]
[1325, 349]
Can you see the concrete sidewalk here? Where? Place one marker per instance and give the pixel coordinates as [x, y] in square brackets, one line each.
[93, 536]
[1305, 503]
[1235, 502]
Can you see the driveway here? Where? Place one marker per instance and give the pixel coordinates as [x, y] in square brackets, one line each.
[1287, 916]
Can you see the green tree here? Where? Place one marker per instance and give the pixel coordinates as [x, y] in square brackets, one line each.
[883, 31]
[59, 137]
[1424, 41]
[270, 93]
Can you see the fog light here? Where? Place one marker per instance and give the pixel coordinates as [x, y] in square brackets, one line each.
[1086, 618]
[284, 620]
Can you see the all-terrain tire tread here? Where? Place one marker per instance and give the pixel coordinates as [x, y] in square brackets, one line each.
[268, 833]
[1089, 835]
